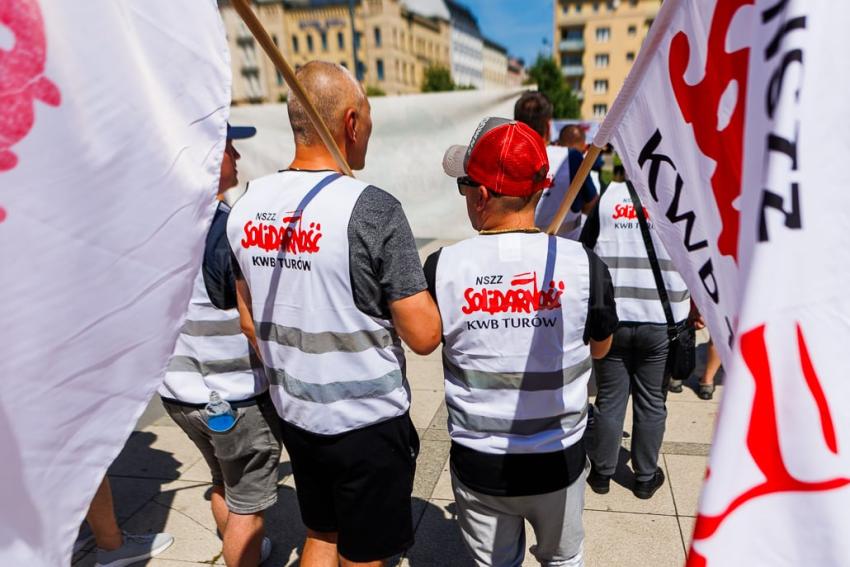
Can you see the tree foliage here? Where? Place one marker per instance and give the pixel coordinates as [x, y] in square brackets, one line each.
[437, 79]
[546, 74]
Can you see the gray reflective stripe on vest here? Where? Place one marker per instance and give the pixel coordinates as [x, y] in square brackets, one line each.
[486, 424]
[335, 391]
[649, 293]
[526, 381]
[326, 341]
[205, 368]
[226, 328]
[615, 263]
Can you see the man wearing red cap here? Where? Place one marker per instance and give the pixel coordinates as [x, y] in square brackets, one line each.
[523, 315]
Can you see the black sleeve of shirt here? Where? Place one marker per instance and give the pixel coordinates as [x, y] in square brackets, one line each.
[217, 267]
[384, 263]
[602, 317]
[430, 269]
[590, 230]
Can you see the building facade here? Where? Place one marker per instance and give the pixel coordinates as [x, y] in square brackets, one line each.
[596, 42]
[495, 65]
[467, 47]
[397, 40]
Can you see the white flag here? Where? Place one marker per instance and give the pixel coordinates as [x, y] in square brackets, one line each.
[734, 128]
[112, 126]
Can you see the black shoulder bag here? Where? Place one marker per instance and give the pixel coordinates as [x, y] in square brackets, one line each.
[681, 356]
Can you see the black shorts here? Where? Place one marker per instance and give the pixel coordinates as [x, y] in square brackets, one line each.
[358, 485]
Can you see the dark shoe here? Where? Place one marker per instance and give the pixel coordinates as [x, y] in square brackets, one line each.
[675, 386]
[706, 391]
[644, 489]
[599, 483]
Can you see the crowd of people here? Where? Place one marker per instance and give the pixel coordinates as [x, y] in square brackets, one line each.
[311, 283]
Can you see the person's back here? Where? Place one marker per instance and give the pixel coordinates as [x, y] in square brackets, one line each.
[637, 362]
[523, 314]
[332, 283]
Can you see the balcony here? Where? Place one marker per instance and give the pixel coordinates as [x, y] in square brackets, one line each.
[572, 70]
[572, 44]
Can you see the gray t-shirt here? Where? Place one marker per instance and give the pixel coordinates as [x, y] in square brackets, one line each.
[384, 264]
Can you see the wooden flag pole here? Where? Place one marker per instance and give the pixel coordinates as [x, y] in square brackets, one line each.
[578, 180]
[262, 36]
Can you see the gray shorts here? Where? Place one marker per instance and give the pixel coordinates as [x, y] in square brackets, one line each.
[245, 459]
[493, 527]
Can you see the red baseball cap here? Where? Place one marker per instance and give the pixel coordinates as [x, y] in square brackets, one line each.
[505, 156]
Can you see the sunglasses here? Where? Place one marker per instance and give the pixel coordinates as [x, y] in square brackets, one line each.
[464, 182]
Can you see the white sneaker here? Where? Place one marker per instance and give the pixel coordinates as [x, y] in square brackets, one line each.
[265, 550]
[135, 548]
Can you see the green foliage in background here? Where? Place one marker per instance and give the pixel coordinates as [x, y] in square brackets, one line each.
[546, 74]
[374, 91]
[437, 79]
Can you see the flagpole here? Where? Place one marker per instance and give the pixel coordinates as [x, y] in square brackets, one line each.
[259, 32]
[578, 180]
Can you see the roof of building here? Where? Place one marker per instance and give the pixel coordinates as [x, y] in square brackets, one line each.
[428, 8]
[462, 17]
[495, 46]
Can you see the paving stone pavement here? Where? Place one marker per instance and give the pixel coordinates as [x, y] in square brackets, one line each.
[161, 483]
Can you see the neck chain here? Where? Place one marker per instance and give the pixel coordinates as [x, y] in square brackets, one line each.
[507, 230]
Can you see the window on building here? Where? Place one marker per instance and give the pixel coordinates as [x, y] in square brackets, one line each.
[600, 86]
[377, 37]
[310, 43]
[324, 37]
[578, 7]
[601, 60]
[633, 3]
[361, 70]
[612, 5]
[632, 31]
[274, 39]
[279, 78]
[340, 40]
[358, 37]
[379, 69]
[600, 110]
[295, 44]
[630, 56]
[596, 6]
[603, 34]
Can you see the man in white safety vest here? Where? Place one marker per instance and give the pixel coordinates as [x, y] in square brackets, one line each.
[637, 363]
[333, 283]
[213, 361]
[523, 315]
[535, 110]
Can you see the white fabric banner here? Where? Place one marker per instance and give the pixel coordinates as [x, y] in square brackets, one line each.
[733, 128]
[112, 126]
[409, 136]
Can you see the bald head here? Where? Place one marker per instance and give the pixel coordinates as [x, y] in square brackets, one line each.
[333, 90]
[572, 136]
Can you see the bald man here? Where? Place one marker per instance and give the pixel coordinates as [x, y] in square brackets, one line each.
[330, 281]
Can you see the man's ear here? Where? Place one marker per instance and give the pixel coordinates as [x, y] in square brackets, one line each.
[351, 124]
[481, 198]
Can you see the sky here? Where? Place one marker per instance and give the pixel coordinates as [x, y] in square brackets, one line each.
[518, 25]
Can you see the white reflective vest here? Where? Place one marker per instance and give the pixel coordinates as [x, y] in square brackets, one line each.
[514, 309]
[332, 368]
[621, 247]
[552, 196]
[211, 354]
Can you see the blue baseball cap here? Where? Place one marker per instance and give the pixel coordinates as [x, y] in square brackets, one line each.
[240, 132]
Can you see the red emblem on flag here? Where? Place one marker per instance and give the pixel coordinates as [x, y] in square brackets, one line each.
[21, 77]
[763, 436]
[700, 105]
